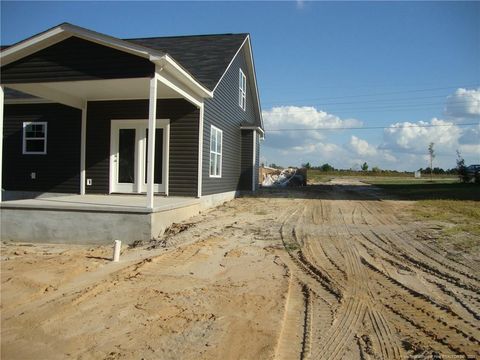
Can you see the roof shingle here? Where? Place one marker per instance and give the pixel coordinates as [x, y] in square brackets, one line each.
[205, 57]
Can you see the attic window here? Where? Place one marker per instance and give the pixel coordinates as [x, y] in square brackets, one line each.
[34, 138]
[242, 90]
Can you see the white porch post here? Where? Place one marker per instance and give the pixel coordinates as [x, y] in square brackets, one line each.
[83, 149]
[200, 152]
[152, 119]
[1, 138]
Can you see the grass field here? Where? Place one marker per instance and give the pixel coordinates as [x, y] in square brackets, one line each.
[438, 189]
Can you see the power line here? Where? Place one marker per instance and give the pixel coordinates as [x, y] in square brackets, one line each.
[379, 106]
[371, 127]
[369, 101]
[380, 94]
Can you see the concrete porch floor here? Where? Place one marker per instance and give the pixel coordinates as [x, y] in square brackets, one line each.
[101, 203]
[96, 219]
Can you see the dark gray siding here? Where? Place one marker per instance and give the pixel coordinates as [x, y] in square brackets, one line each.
[257, 161]
[56, 171]
[183, 163]
[76, 59]
[246, 161]
[223, 112]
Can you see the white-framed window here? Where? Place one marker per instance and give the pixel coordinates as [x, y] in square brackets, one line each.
[34, 138]
[215, 152]
[242, 90]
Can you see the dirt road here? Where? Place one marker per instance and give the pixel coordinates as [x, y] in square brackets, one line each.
[325, 272]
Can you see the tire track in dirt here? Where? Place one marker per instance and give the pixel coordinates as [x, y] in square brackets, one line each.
[359, 252]
[422, 313]
[291, 342]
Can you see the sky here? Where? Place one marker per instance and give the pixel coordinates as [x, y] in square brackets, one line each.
[398, 74]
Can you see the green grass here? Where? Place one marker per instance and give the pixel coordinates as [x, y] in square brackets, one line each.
[317, 176]
[462, 217]
[443, 200]
[291, 247]
[440, 190]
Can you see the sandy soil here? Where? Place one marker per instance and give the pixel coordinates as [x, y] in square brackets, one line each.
[324, 272]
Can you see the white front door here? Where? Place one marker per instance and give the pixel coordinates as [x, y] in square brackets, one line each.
[128, 156]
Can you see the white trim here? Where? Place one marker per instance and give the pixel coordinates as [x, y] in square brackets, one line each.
[44, 138]
[115, 126]
[2, 94]
[27, 101]
[200, 151]
[140, 125]
[166, 154]
[64, 31]
[217, 130]
[83, 148]
[254, 77]
[257, 128]
[176, 86]
[230, 64]
[203, 91]
[242, 90]
[152, 118]
[257, 93]
[33, 44]
[254, 157]
[43, 91]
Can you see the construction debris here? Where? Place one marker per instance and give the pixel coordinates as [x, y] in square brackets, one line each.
[271, 177]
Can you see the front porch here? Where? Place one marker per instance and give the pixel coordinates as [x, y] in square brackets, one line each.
[108, 116]
[97, 219]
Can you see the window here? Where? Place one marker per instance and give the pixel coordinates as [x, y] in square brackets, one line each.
[242, 90]
[35, 138]
[215, 152]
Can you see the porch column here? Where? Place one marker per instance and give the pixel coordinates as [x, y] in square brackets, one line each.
[1, 138]
[152, 119]
[83, 148]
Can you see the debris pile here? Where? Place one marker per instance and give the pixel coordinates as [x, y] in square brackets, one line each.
[271, 177]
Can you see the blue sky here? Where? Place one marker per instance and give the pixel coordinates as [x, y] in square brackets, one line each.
[323, 65]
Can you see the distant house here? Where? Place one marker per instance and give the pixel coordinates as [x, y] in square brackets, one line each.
[88, 113]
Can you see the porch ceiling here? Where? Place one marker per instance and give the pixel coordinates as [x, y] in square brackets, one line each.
[75, 93]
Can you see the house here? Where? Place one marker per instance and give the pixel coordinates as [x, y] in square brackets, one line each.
[89, 119]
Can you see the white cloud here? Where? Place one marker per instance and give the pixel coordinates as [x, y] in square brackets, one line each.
[301, 117]
[362, 147]
[369, 152]
[404, 145]
[470, 149]
[470, 135]
[463, 103]
[325, 149]
[415, 137]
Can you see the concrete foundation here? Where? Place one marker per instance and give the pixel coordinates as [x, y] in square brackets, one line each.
[97, 219]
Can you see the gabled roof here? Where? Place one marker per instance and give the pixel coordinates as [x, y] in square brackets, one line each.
[201, 60]
[206, 57]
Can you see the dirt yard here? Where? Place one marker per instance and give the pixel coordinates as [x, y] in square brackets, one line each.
[324, 272]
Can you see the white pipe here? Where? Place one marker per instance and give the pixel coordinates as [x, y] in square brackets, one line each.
[116, 250]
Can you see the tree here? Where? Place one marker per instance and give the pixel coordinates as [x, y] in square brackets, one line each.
[376, 169]
[306, 165]
[365, 166]
[431, 152]
[327, 167]
[462, 169]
